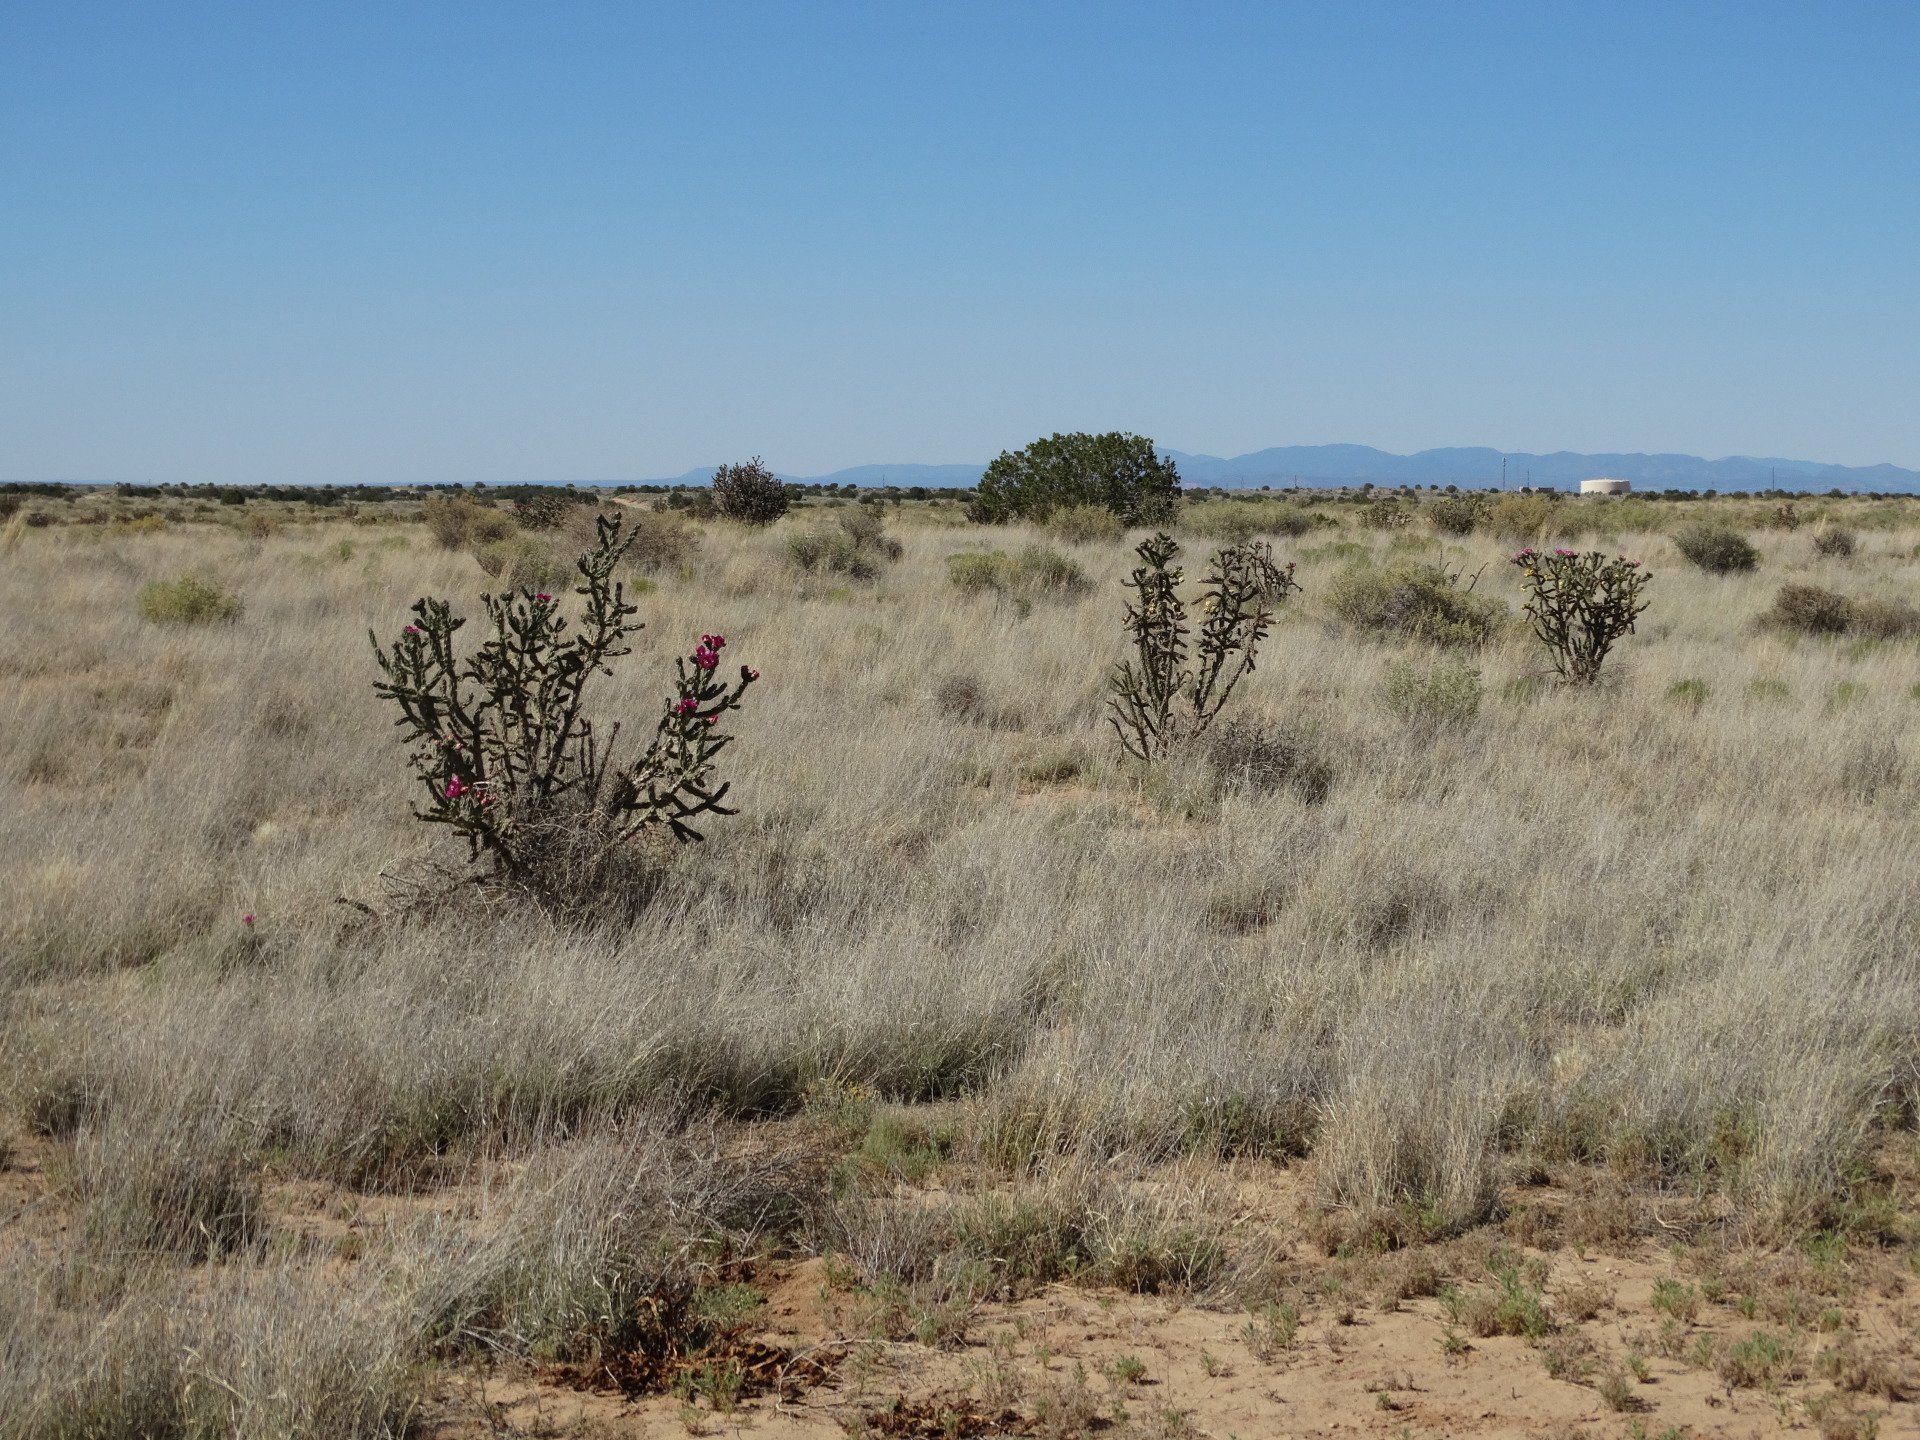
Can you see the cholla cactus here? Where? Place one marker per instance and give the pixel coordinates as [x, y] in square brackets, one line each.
[1580, 605]
[501, 742]
[1159, 699]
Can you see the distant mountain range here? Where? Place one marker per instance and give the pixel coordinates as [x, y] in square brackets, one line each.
[1470, 466]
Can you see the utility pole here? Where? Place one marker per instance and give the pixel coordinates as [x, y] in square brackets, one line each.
[1503, 472]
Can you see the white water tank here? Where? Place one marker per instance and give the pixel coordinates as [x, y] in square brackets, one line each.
[1604, 486]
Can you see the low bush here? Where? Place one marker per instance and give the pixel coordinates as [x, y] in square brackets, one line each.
[1085, 525]
[1833, 542]
[1263, 759]
[1717, 549]
[522, 559]
[854, 544]
[1456, 514]
[1812, 610]
[1420, 602]
[1036, 573]
[187, 601]
[662, 541]
[458, 522]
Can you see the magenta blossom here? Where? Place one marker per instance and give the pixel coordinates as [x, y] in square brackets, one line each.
[456, 787]
[708, 720]
[1522, 556]
[247, 919]
[747, 672]
[706, 659]
[687, 706]
[411, 630]
[544, 598]
[1564, 553]
[714, 642]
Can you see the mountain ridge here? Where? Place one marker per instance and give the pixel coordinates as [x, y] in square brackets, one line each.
[1448, 465]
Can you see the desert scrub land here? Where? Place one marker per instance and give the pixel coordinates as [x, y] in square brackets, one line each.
[1430, 1047]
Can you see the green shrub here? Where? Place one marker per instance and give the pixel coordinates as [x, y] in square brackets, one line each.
[662, 540]
[187, 601]
[1119, 472]
[1085, 525]
[1717, 549]
[1442, 694]
[1385, 513]
[1522, 517]
[1456, 514]
[1420, 602]
[749, 493]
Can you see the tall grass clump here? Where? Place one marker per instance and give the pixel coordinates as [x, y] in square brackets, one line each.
[1813, 610]
[1446, 693]
[1085, 525]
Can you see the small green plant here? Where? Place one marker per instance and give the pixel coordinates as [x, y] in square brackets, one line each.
[1581, 605]
[187, 601]
[1127, 1370]
[1716, 549]
[1272, 1330]
[501, 743]
[749, 493]
[1158, 698]
[1689, 694]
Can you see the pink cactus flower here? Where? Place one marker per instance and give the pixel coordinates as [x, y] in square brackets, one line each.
[687, 706]
[544, 598]
[747, 672]
[1521, 557]
[714, 642]
[411, 630]
[708, 720]
[706, 659]
[1563, 552]
[247, 919]
[456, 787]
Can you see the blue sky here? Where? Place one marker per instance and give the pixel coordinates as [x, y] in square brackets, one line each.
[572, 241]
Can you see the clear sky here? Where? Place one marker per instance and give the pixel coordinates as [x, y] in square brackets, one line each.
[567, 240]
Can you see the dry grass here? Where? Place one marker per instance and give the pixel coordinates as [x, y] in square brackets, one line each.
[1597, 925]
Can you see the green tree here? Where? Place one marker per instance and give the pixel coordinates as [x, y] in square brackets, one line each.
[1118, 471]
